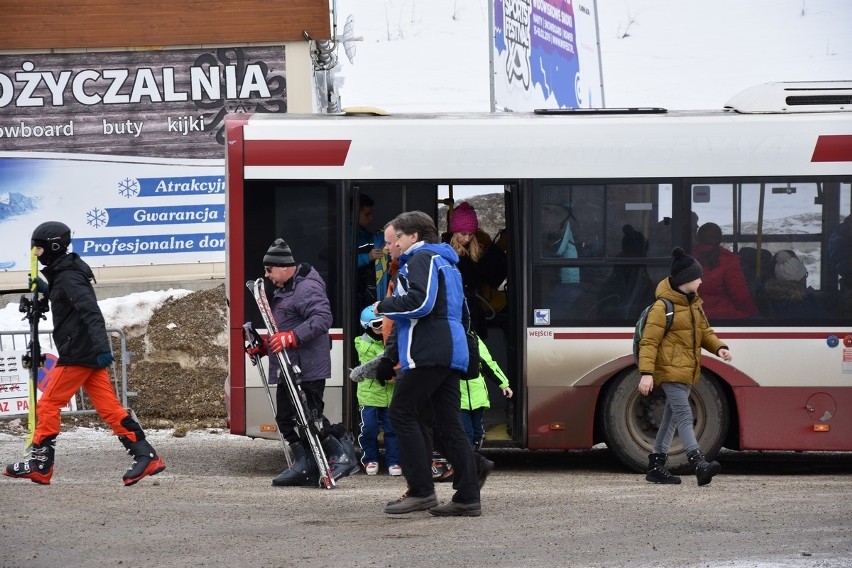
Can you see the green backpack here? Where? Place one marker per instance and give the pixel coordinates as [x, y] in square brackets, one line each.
[643, 318]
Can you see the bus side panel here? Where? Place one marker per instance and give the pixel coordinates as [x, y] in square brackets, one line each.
[235, 290]
[561, 418]
[783, 418]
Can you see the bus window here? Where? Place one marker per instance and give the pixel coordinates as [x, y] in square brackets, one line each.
[303, 214]
[766, 238]
[592, 242]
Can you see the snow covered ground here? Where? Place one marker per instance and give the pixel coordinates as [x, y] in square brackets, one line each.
[679, 54]
[122, 313]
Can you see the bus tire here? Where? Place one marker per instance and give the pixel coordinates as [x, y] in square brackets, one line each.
[630, 420]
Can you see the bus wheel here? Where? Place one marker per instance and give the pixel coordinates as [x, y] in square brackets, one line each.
[630, 420]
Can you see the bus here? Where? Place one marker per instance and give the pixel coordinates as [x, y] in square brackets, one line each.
[568, 191]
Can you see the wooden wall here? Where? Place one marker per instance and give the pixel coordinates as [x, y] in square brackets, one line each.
[80, 24]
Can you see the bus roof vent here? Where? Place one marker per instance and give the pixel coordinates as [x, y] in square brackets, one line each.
[803, 96]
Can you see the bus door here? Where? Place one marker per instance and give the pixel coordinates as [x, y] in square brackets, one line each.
[496, 299]
[370, 205]
[306, 215]
[499, 306]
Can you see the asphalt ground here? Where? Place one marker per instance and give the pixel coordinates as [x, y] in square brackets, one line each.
[214, 506]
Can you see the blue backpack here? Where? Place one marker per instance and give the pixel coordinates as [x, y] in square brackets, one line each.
[643, 318]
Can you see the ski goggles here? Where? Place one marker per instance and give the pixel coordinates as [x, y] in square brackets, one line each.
[376, 324]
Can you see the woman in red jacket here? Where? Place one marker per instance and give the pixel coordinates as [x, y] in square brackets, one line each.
[724, 290]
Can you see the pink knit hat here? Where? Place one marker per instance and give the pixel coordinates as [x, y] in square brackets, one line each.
[463, 219]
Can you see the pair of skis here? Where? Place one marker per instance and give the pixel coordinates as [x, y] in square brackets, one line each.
[308, 425]
[34, 307]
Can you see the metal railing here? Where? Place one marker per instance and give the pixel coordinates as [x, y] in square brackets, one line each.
[19, 339]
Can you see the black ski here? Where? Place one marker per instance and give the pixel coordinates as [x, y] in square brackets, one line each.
[309, 426]
[253, 339]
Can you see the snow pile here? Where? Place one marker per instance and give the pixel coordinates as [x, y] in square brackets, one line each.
[121, 313]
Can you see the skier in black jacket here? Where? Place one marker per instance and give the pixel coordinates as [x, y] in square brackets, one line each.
[80, 337]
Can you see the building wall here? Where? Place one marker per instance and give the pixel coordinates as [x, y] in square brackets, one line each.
[81, 24]
[69, 26]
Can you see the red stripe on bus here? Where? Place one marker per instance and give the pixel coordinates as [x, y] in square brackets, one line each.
[833, 148]
[722, 335]
[296, 152]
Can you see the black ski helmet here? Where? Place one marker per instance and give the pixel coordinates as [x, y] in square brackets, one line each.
[54, 237]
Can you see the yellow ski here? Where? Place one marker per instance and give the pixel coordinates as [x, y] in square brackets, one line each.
[34, 307]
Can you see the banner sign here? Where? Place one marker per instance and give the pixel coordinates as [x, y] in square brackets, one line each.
[126, 148]
[545, 55]
[15, 382]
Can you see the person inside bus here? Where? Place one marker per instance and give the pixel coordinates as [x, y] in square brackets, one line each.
[757, 269]
[557, 241]
[724, 289]
[788, 292]
[670, 358]
[302, 314]
[464, 227]
[372, 263]
[427, 308]
[840, 259]
[629, 288]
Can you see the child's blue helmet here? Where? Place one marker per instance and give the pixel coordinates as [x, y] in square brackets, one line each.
[368, 317]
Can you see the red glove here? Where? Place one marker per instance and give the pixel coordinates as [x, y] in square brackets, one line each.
[260, 350]
[283, 340]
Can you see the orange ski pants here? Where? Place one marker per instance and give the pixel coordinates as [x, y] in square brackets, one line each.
[65, 380]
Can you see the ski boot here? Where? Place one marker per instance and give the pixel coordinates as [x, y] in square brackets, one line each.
[303, 472]
[341, 456]
[145, 460]
[38, 468]
[658, 472]
[704, 470]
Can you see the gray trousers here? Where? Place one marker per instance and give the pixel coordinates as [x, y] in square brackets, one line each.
[677, 415]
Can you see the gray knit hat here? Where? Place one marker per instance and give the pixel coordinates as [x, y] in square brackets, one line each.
[279, 254]
[684, 268]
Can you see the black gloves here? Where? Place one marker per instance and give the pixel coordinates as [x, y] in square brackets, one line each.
[40, 284]
[385, 371]
[105, 359]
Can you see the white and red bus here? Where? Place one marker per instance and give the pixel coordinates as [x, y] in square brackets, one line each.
[773, 171]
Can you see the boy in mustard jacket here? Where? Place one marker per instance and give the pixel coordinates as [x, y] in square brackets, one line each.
[672, 361]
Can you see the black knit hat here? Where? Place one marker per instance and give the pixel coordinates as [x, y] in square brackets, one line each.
[684, 268]
[279, 254]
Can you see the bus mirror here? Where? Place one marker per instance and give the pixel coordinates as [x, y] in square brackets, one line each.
[701, 194]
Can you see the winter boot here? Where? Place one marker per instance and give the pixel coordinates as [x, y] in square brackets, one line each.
[704, 470]
[145, 460]
[38, 468]
[483, 468]
[658, 472]
[303, 472]
[341, 456]
[442, 470]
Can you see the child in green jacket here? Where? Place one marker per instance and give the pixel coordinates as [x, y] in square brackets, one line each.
[374, 398]
[474, 395]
